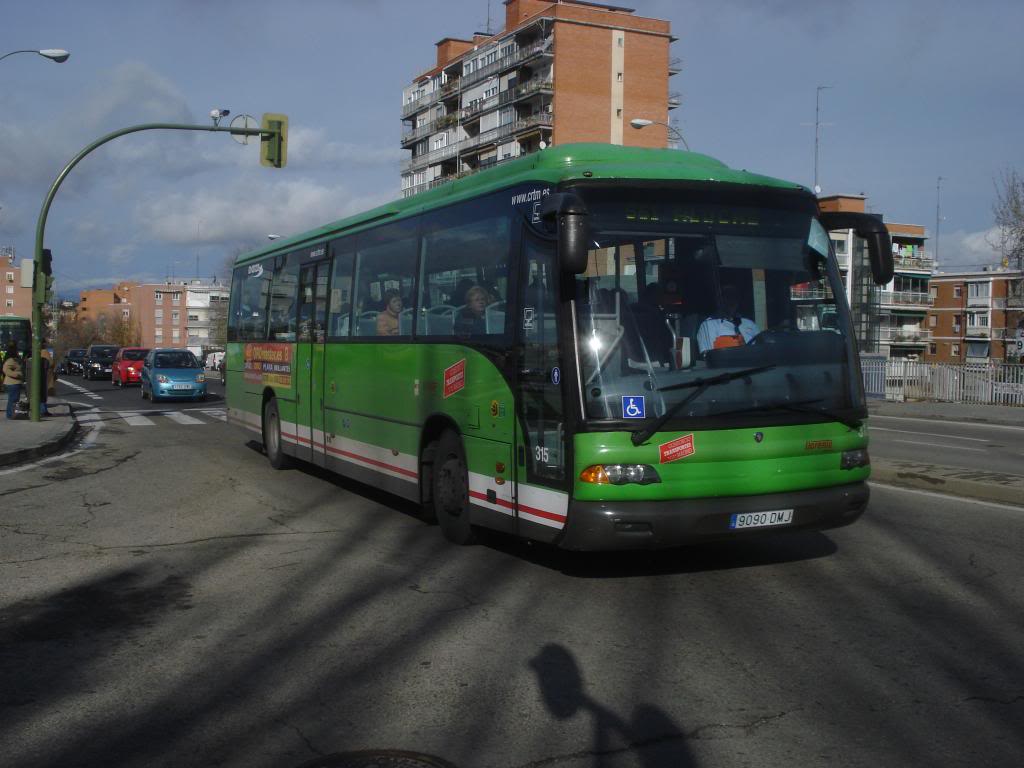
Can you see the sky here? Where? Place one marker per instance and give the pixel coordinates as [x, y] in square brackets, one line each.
[918, 89]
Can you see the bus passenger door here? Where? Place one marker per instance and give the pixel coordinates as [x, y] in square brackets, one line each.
[309, 362]
[541, 482]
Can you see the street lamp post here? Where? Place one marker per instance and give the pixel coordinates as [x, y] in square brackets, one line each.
[674, 133]
[58, 55]
[274, 131]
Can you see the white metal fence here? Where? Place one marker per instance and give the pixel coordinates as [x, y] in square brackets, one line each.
[991, 383]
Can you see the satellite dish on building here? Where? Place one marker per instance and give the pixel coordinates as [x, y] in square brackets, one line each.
[543, 145]
[248, 123]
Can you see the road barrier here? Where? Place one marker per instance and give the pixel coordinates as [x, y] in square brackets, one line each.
[992, 383]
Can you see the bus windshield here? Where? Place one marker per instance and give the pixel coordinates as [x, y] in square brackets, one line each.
[721, 309]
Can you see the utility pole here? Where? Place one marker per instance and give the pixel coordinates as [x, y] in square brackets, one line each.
[817, 133]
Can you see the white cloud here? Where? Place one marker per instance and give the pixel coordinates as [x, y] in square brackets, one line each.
[968, 249]
[246, 212]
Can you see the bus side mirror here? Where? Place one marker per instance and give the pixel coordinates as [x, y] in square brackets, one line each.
[868, 226]
[570, 217]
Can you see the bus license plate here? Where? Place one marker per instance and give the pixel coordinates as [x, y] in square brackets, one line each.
[761, 519]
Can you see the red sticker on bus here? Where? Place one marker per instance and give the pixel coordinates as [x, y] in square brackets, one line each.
[677, 449]
[454, 378]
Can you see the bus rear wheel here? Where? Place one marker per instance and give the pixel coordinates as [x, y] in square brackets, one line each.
[451, 490]
[272, 436]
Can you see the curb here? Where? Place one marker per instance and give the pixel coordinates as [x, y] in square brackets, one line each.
[42, 450]
[955, 481]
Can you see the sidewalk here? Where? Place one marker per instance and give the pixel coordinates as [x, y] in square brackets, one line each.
[957, 481]
[23, 440]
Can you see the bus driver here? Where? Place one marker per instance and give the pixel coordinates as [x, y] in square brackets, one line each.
[726, 328]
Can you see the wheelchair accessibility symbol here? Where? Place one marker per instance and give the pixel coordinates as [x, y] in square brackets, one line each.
[633, 407]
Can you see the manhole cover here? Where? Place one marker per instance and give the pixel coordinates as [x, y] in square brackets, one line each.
[378, 759]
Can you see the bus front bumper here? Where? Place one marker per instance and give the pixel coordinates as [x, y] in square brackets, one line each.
[599, 525]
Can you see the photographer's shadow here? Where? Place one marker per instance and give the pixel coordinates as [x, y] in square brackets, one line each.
[650, 733]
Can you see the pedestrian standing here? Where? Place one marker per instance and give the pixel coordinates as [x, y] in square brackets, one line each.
[14, 378]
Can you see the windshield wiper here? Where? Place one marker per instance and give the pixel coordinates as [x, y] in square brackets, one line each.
[641, 436]
[802, 406]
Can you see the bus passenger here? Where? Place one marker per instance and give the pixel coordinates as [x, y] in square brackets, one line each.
[470, 321]
[387, 320]
[727, 327]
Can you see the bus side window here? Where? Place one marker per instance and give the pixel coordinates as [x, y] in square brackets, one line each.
[340, 309]
[385, 271]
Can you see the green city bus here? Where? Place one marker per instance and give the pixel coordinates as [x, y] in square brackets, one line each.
[17, 330]
[526, 350]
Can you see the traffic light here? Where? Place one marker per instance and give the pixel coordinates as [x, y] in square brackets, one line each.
[46, 265]
[274, 140]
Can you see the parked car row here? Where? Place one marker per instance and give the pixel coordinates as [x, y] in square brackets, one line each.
[160, 373]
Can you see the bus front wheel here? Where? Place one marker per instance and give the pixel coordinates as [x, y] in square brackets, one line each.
[451, 490]
[272, 436]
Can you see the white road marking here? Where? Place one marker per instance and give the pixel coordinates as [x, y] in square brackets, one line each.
[182, 418]
[80, 389]
[978, 424]
[930, 434]
[136, 419]
[947, 496]
[942, 445]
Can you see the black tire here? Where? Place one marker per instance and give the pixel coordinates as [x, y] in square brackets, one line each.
[451, 490]
[142, 390]
[272, 436]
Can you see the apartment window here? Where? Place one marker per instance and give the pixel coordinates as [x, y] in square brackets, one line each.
[125, 314]
[933, 292]
[839, 246]
[618, 113]
[957, 291]
[931, 321]
[932, 348]
[175, 334]
[441, 141]
[159, 314]
[492, 91]
[9, 303]
[977, 320]
[175, 316]
[193, 318]
[619, 77]
[176, 298]
[978, 290]
[10, 277]
[954, 350]
[10, 289]
[620, 40]
[158, 296]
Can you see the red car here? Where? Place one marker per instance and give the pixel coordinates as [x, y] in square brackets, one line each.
[127, 366]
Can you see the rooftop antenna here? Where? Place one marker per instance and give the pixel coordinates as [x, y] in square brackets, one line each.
[488, 28]
[938, 217]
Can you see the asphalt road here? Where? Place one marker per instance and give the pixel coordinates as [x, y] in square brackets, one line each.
[168, 599]
[981, 446]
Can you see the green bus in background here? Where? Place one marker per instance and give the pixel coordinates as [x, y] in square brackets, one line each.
[592, 346]
[17, 330]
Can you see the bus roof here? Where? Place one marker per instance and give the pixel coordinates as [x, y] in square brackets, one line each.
[556, 165]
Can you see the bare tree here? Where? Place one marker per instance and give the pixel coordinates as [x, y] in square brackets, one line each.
[1008, 211]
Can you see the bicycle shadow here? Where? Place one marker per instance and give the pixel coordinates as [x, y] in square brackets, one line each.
[650, 734]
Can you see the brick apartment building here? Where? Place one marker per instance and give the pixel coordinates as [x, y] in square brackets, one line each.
[559, 71]
[976, 317]
[17, 300]
[888, 319]
[168, 314]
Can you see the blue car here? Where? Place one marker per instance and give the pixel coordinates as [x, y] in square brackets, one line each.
[172, 373]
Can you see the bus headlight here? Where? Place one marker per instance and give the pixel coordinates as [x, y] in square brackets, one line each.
[855, 459]
[619, 474]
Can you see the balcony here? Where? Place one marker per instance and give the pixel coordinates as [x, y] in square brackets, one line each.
[675, 99]
[978, 331]
[905, 335]
[913, 264]
[675, 65]
[487, 137]
[906, 299]
[543, 47]
[414, 135]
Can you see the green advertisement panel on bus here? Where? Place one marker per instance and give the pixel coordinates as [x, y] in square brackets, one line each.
[593, 346]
